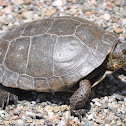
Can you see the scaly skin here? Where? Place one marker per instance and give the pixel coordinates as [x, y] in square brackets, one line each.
[6, 96]
[79, 98]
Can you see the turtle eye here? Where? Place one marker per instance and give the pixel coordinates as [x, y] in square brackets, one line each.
[124, 51]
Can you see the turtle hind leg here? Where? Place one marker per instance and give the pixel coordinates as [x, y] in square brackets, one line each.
[79, 98]
[7, 96]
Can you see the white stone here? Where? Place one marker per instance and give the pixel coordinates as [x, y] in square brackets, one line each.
[20, 122]
[90, 117]
[58, 3]
[28, 15]
[62, 123]
[2, 112]
[97, 103]
[50, 114]
[123, 21]
[106, 124]
[107, 17]
[106, 98]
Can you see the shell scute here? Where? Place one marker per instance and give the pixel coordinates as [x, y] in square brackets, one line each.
[40, 62]
[14, 32]
[56, 84]
[10, 79]
[89, 34]
[3, 49]
[25, 82]
[37, 27]
[68, 55]
[2, 71]
[41, 84]
[63, 27]
[16, 57]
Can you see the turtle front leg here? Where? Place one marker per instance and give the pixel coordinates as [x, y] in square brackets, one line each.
[79, 98]
[6, 96]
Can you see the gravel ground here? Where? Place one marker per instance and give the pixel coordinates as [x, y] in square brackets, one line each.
[107, 103]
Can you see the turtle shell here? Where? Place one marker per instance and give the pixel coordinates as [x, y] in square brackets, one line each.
[52, 54]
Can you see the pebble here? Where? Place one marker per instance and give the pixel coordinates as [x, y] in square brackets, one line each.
[61, 123]
[117, 2]
[27, 15]
[90, 116]
[123, 21]
[20, 122]
[118, 29]
[107, 104]
[19, 2]
[51, 11]
[97, 103]
[58, 3]
[89, 124]
[107, 17]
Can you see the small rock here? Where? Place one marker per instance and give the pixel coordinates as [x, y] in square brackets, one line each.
[47, 107]
[6, 123]
[106, 124]
[107, 17]
[71, 122]
[7, 10]
[27, 2]
[14, 117]
[90, 117]
[123, 35]
[92, 2]
[89, 124]
[55, 109]
[58, 3]
[88, 12]
[104, 105]
[67, 114]
[97, 103]
[123, 21]
[118, 97]
[29, 120]
[20, 122]
[3, 3]
[72, 11]
[30, 114]
[62, 123]
[50, 11]
[50, 114]
[110, 5]
[56, 121]
[19, 2]
[117, 2]
[2, 112]
[63, 109]
[1, 122]
[111, 1]
[118, 29]
[27, 15]
[95, 100]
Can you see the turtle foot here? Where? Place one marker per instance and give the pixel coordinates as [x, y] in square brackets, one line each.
[79, 113]
[79, 98]
[6, 96]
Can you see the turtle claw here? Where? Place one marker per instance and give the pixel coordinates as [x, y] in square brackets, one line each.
[79, 113]
[15, 99]
[2, 105]
[6, 97]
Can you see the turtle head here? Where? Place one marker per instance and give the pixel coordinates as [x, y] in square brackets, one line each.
[117, 59]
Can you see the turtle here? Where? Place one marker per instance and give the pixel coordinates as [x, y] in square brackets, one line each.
[55, 54]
